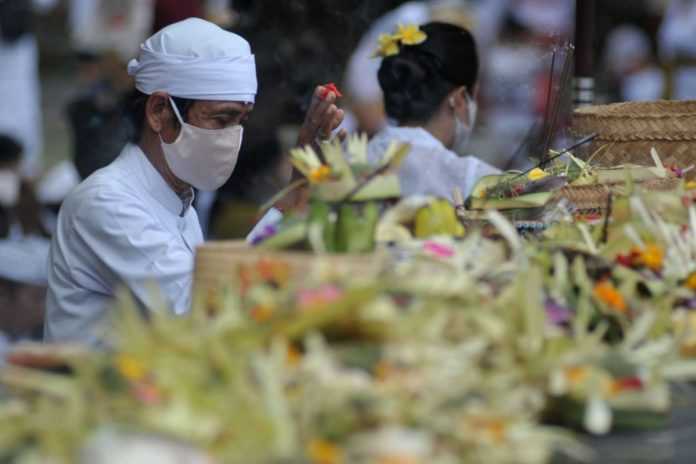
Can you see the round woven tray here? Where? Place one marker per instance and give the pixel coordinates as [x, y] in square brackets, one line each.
[626, 132]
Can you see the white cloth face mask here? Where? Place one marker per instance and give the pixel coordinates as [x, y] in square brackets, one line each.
[203, 158]
[9, 188]
[462, 131]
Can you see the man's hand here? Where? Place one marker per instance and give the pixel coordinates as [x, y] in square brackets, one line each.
[323, 117]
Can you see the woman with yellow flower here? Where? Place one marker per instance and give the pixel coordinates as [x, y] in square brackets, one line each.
[429, 77]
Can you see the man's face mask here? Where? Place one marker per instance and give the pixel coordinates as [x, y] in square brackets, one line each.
[203, 158]
[9, 188]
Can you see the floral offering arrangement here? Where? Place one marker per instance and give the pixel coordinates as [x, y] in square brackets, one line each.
[348, 198]
[464, 349]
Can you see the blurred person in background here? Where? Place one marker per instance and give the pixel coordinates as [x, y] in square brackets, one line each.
[20, 110]
[23, 249]
[366, 106]
[677, 48]
[516, 73]
[131, 224]
[632, 69]
[549, 21]
[430, 87]
[512, 69]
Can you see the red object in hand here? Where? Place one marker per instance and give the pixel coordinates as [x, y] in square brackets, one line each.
[328, 88]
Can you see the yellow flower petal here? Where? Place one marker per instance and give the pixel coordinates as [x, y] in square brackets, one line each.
[388, 46]
[691, 185]
[130, 368]
[320, 174]
[651, 257]
[537, 174]
[411, 34]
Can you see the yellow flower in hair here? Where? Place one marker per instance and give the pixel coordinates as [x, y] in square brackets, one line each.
[410, 34]
[388, 46]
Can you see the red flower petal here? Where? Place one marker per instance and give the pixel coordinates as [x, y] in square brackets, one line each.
[328, 88]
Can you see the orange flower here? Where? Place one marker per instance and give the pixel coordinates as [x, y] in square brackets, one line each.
[262, 312]
[691, 281]
[274, 271]
[576, 375]
[323, 452]
[651, 257]
[609, 295]
[494, 429]
[294, 357]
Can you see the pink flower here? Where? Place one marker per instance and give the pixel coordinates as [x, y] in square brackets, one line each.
[318, 296]
[439, 250]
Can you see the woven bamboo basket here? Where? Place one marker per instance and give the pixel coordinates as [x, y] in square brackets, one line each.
[218, 264]
[628, 131]
[596, 197]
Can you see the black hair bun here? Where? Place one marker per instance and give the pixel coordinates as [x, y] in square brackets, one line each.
[406, 79]
[416, 81]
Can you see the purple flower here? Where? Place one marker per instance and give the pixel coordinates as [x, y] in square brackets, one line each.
[266, 233]
[689, 303]
[556, 314]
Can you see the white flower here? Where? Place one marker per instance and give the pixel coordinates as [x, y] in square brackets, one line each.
[597, 416]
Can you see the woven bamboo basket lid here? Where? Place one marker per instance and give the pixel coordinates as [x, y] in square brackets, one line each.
[626, 132]
[218, 264]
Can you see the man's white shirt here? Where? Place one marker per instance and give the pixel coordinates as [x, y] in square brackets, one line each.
[123, 226]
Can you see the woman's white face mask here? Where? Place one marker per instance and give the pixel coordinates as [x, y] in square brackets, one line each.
[9, 188]
[203, 158]
[462, 130]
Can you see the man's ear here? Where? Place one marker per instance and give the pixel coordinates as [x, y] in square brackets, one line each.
[158, 112]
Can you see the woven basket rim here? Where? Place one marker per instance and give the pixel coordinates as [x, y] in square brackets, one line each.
[659, 109]
[651, 116]
[637, 138]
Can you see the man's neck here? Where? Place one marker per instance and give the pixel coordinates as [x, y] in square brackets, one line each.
[153, 151]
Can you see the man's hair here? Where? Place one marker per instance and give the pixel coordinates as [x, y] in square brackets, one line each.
[10, 150]
[135, 110]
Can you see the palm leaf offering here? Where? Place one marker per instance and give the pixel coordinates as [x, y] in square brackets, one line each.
[459, 348]
[583, 186]
[348, 199]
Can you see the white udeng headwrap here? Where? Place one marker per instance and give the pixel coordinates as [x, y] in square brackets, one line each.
[198, 60]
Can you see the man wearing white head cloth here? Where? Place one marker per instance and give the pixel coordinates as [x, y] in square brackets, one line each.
[131, 223]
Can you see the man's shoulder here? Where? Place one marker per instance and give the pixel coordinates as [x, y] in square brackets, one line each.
[111, 183]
